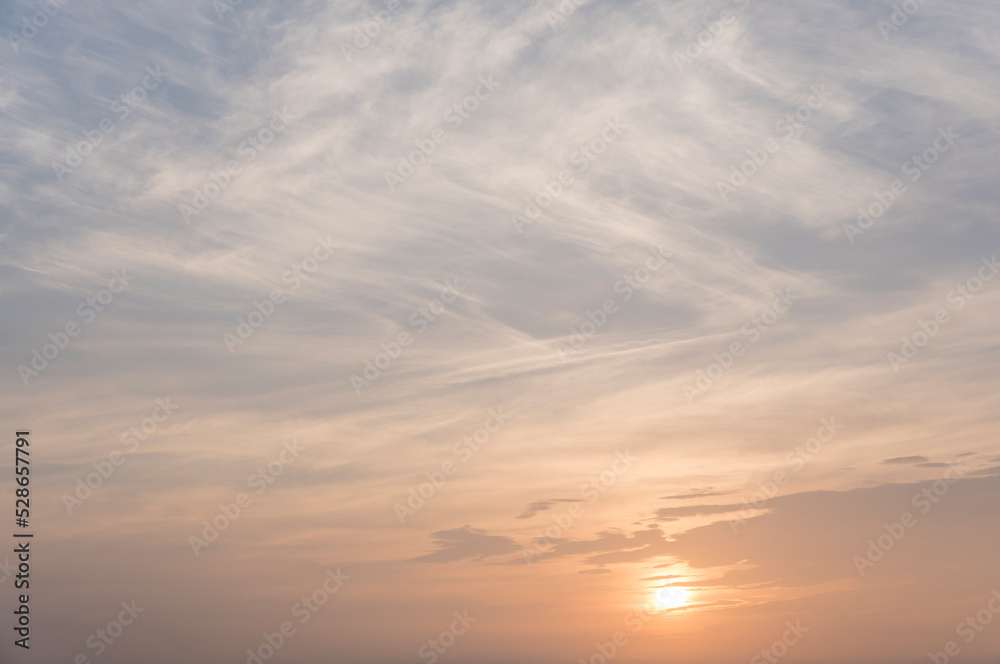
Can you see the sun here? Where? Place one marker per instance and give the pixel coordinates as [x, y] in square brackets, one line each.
[671, 597]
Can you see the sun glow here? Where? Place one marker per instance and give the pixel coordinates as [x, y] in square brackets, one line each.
[670, 598]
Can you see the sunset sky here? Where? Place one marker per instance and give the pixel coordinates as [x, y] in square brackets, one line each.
[519, 331]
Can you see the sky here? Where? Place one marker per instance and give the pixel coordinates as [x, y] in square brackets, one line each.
[502, 332]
